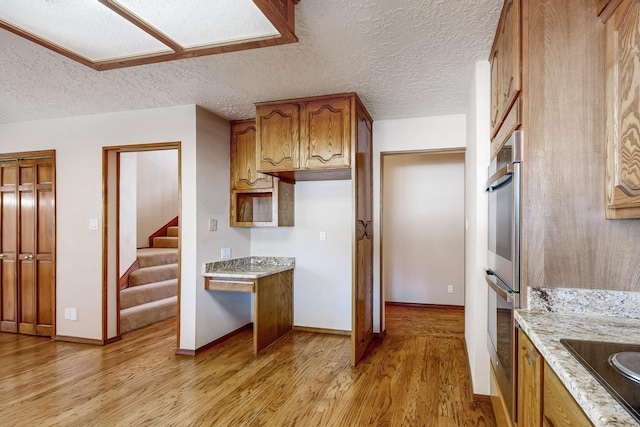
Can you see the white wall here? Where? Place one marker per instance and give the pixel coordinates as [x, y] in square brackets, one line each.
[322, 277]
[157, 192]
[128, 215]
[402, 135]
[217, 313]
[423, 228]
[204, 167]
[477, 161]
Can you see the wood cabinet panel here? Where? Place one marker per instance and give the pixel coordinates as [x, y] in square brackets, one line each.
[362, 322]
[623, 118]
[505, 60]
[326, 134]
[530, 376]
[244, 166]
[278, 135]
[560, 409]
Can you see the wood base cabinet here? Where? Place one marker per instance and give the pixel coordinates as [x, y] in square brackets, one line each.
[27, 243]
[257, 200]
[542, 398]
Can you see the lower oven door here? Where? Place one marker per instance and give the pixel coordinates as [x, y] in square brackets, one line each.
[502, 338]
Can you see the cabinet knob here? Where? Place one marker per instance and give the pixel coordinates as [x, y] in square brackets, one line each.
[29, 257]
[1, 256]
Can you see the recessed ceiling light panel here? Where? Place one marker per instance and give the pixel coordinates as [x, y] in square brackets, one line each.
[84, 27]
[197, 23]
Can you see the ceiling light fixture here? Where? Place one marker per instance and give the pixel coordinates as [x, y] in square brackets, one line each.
[108, 34]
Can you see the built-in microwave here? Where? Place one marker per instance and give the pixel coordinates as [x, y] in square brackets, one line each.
[503, 265]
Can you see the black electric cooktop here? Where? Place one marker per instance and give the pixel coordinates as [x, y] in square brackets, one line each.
[595, 357]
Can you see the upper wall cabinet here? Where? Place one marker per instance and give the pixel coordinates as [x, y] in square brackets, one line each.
[244, 171]
[622, 111]
[257, 200]
[506, 80]
[307, 139]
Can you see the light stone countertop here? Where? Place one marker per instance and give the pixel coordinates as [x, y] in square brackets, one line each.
[248, 268]
[545, 331]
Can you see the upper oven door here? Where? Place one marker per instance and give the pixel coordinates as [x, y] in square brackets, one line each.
[501, 224]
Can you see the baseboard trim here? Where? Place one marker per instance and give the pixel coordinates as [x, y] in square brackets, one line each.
[200, 350]
[112, 340]
[321, 330]
[78, 340]
[417, 305]
[482, 398]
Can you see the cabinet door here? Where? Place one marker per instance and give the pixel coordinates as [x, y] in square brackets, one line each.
[8, 242]
[496, 106]
[244, 166]
[505, 60]
[278, 136]
[529, 383]
[623, 121]
[510, 66]
[326, 134]
[560, 408]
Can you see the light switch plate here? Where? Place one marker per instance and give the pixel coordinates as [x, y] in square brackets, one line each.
[323, 236]
[225, 253]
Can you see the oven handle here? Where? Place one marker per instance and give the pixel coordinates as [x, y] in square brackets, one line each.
[500, 178]
[505, 293]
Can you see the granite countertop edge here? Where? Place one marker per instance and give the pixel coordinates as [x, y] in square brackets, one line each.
[547, 329]
[253, 267]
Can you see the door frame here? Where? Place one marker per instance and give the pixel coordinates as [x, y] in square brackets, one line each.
[111, 234]
[383, 155]
[34, 155]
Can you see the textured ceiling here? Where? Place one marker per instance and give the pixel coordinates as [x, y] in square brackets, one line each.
[405, 59]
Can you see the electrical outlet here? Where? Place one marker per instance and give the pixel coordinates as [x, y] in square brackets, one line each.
[93, 224]
[450, 289]
[213, 224]
[225, 253]
[323, 236]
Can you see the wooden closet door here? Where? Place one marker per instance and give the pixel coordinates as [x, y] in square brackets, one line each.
[8, 241]
[36, 275]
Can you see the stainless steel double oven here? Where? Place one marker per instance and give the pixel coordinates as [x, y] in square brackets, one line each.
[503, 263]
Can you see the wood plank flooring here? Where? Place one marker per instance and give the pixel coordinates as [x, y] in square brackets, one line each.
[416, 376]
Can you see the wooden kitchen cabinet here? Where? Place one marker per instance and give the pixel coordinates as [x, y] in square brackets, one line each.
[530, 369]
[542, 398]
[622, 99]
[244, 170]
[308, 138]
[506, 81]
[560, 408]
[257, 200]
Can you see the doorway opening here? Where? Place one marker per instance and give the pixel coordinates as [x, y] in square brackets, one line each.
[422, 231]
[141, 250]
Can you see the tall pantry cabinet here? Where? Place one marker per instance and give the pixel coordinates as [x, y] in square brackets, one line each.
[27, 243]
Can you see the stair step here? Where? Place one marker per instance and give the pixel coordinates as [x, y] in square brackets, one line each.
[173, 231]
[148, 257]
[157, 273]
[143, 294]
[165, 242]
[145, 314]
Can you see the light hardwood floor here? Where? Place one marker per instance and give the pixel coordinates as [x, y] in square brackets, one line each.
[416, 376]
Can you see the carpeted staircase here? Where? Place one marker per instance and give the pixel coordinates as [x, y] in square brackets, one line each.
[151, 295]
